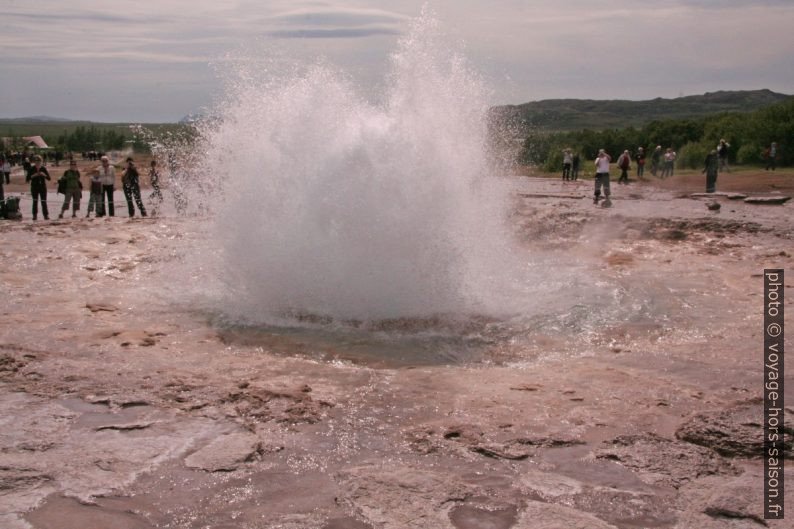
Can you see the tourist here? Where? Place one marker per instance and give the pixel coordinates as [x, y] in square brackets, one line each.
[156, 198]
[710, 169]
[602, 177]
[770, 154]
[38, 176]
[669, 162]
[72, 189]
[656, 157]
[577, 163]
[6, 169]
[567, 162]
[722, 154]
[107, 173]
[640, 158]
[95, 195]
[132, 189]
[624, 162]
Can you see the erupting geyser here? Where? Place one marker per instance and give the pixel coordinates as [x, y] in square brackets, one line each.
[335, 206]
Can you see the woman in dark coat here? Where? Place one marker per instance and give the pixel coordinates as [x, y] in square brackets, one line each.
[710, 169]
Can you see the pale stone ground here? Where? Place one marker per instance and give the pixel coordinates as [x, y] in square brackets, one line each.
[123, 409]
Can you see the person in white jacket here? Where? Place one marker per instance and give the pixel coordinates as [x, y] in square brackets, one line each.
[107, 174]
[602, 177]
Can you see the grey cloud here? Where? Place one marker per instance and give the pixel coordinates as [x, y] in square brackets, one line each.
[338, 18]
[82, 17]
[340, 33]
[324, 23]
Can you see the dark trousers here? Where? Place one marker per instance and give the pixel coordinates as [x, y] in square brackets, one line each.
[624, 176]
[654, 167]
[566, 171]
[711, 181]
[7, 177]
[131, 191]
[771, 164]
[602, 180]
[106, 191]
[39, 193]
[640, 170]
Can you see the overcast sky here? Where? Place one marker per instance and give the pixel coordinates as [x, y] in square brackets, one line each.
[155, 61]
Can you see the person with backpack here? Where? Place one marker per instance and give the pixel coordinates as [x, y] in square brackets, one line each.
[624, 163]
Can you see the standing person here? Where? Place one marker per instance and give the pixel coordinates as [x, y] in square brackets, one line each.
[640, 158]
[656, 157]
[669, 162]
[577, 163]
[722, 154]
[156, 198]
[771, 156]
[6, 169]
[107, 174]
[602, 177]
[131, 184]
[567, 162]
[37, 176]
[710, 169]
[624, 162]
[95, 195]
[72, 189]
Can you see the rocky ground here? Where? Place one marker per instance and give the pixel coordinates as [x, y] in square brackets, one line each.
[123, 409]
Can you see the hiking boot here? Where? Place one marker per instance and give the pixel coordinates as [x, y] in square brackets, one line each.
[607, 203]
[60, 216]
[595, 199]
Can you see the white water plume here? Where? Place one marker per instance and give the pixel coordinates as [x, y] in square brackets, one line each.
[338, 207]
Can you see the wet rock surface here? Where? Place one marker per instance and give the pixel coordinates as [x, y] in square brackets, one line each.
[733, 432]
[226, 453]
[665, 461]
[145, 416]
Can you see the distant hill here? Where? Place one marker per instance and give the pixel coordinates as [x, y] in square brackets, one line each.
[36, 119]
[578, 114]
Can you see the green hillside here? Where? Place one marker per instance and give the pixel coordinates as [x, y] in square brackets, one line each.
[578, 114]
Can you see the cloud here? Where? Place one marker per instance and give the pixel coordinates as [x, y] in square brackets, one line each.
[344, 33]
[327, 23]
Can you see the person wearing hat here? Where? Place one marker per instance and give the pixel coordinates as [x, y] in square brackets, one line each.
[130, 181]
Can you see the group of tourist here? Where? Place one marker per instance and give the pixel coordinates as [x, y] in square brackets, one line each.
[102, 187]
[662, 164]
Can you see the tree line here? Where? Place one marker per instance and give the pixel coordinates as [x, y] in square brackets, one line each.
[749, 134]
